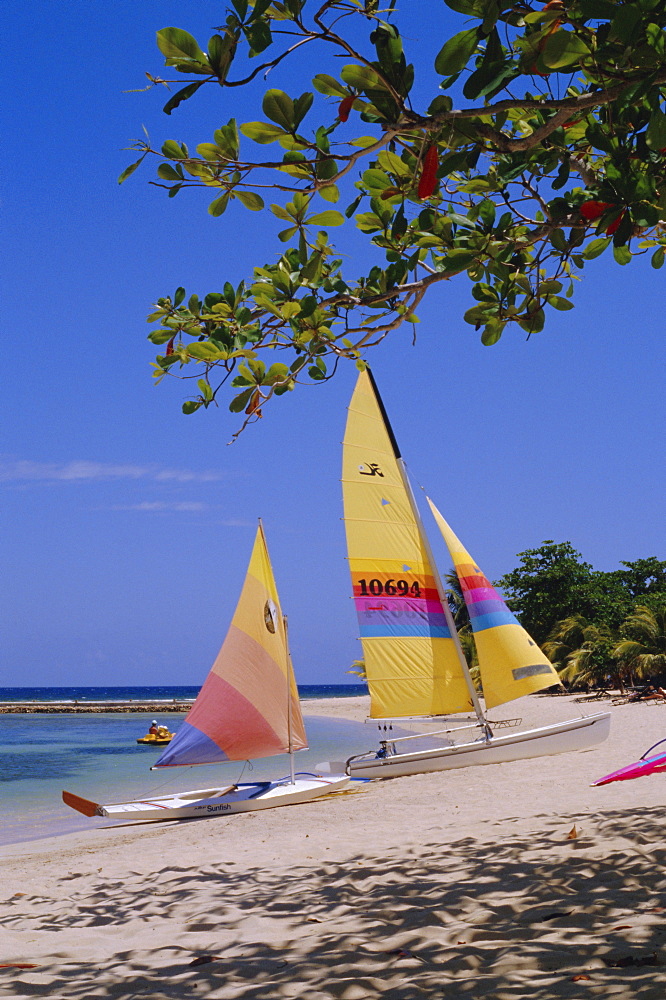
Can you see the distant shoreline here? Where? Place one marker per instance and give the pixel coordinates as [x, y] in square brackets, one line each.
[89, 707]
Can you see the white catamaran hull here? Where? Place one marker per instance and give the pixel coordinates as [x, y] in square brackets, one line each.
[561, 737]
[207, 802]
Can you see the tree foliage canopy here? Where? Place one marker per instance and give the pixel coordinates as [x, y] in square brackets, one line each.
[554, 592]
[542, 147]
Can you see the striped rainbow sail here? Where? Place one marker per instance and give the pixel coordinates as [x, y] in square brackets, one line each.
[511, 664]
[248, 706]
[410, 658]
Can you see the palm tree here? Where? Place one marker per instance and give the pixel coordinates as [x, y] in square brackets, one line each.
[456, 599]
[644, 653]
[358, 669]
[581, 651]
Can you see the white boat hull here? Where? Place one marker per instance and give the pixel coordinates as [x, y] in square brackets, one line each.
[561, 737]
[207, 802]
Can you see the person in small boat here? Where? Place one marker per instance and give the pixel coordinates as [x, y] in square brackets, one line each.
[154, 730]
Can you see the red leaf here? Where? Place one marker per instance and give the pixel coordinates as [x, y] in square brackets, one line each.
[614, 225]
[345, 107]
[169, 347]
[591, 210]
[253, 405]
[428, 181]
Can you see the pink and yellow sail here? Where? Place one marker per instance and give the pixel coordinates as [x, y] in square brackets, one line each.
[248, 706]
[411, 662]
[510, 662]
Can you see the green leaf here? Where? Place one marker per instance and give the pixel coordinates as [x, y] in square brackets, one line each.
[329, 193]
[173, 150]
[167, 172]
[251, 200]
[557, 302]
[281, 213]
[329, 86]
[128, 171]
[487, 212]
[602, 9]
[277, 373]
[563, 48]
[209, 151]
[329, 218]
[455, 54]
[180, 96]
[262, 132]
[286, 234]
[389, 161]
[596, 248]
[176, 44]
[657, 259]
[218, 207]
[361, 77]
[492, 333]
[279, 107]
[622, 254]
[205, 388]
[474, 8]
[202, 350]
[289, 309]
[376, 180]
[192, 405]
[456, 260]
[558, 240]
[302, 105]
[238, 403]
[656, 130]
[179, 296]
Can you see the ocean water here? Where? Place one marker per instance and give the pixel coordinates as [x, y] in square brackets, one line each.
[155, 694]
[96, 756]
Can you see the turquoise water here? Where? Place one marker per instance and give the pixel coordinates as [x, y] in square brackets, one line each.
[156, 694]
[97, 756]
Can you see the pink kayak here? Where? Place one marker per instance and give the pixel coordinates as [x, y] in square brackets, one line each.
[646, 765]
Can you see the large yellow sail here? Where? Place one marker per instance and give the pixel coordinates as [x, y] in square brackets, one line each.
[411, 661]
[510, 662]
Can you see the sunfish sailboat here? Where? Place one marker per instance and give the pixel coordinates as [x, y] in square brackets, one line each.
[248, 707]
[649, 763]
[413, 659]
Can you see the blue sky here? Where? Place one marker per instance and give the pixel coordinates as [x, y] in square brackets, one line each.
[126, 526]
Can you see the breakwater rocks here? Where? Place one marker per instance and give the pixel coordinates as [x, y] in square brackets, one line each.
[97, 707]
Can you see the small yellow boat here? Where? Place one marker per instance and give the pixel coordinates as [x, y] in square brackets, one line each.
[158, 739]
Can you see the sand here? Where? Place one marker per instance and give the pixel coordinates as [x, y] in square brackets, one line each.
[464, 884]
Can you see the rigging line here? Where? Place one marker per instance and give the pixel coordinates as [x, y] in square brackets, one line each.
[167, 778]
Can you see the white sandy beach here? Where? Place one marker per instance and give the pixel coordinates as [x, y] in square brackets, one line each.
[459, 884]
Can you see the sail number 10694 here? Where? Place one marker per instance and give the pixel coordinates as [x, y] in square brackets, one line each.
[389, 588]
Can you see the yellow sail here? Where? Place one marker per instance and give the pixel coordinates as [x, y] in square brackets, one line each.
[410, 658]
[511, 664]
[248, 706]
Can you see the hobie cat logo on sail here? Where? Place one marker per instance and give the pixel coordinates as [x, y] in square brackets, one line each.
[270, 616]
[370, 469]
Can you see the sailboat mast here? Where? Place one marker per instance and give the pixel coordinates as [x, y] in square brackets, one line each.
[443, 598]
[290, 676]
[426, 544]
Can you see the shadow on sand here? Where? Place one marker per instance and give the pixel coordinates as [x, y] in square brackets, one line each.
[543, 918]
